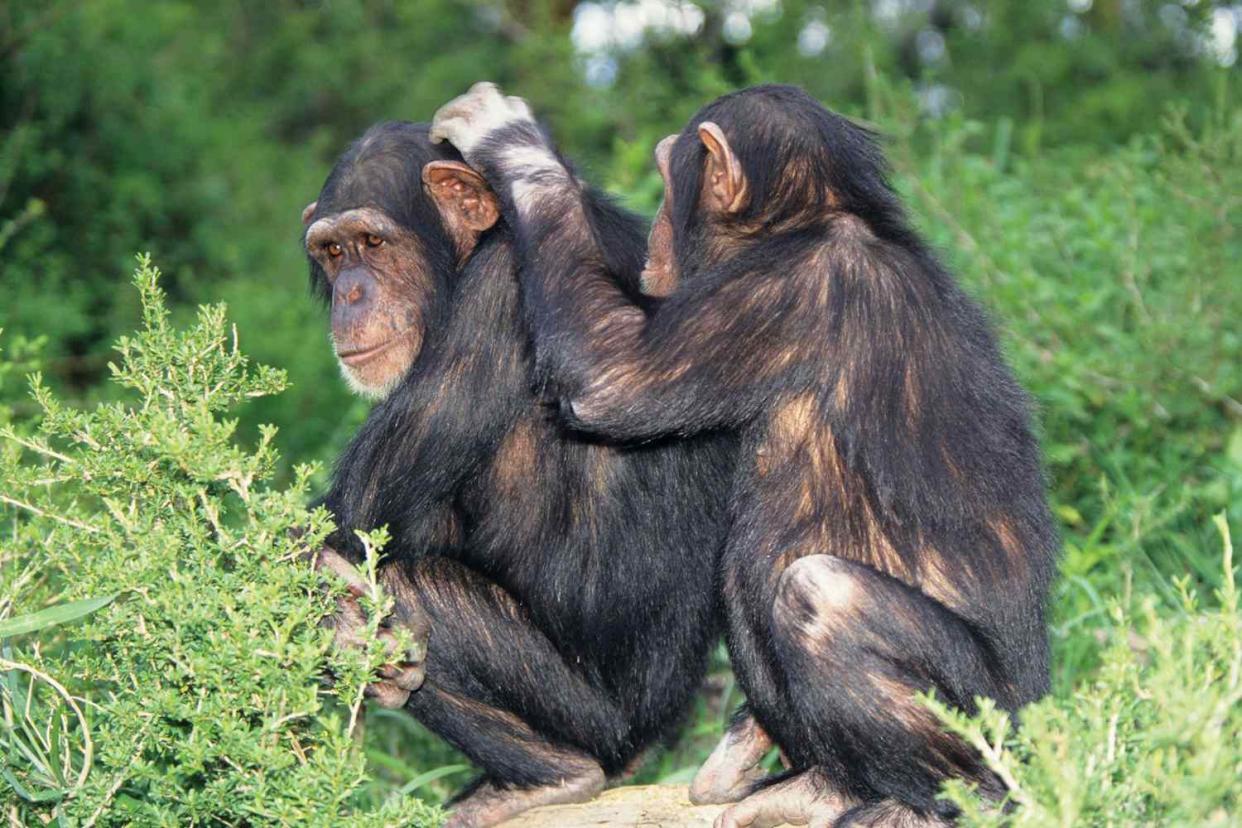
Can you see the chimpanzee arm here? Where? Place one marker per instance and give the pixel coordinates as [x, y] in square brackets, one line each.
[442, 422]
[691, 364]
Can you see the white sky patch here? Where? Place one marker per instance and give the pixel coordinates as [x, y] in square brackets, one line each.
[937, 100]
[1222, 37]
[1173, 17]
[890, 13]
[930, 45]
[736, 28]
[1079, 6]
[600, 27]
[756, 8]
[814, 38]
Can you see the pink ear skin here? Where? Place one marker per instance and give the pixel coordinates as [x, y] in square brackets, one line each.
[725, 180]
[308, 211]
[466, 203]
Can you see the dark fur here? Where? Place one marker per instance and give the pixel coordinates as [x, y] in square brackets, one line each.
[569, 582]
[889, 526]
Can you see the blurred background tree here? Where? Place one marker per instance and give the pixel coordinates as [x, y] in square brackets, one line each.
[198, 130]
[1078, 161]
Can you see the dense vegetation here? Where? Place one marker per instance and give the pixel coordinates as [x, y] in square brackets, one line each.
[1080, 165]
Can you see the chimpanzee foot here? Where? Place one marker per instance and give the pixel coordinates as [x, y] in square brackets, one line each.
[733, 770]
[806, 799]
[406, 671]
[489, 805]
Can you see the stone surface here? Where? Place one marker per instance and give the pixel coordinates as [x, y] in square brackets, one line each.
[650, 806]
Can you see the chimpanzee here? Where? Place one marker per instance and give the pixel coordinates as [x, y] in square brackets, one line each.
[889, 532]
[567, 581]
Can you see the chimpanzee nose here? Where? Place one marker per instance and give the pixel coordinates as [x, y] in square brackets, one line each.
[350, 286]
[351, 296]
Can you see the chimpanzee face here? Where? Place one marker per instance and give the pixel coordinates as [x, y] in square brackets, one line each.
[378, 276]
[659, 277]
[405, 215]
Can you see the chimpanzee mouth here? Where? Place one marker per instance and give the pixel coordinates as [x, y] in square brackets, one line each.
[360, 356]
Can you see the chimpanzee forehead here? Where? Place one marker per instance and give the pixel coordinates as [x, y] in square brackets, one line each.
[358, 220]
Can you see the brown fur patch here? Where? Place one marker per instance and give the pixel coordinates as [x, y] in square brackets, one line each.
[913, 395]
[799, 460]
[804, 475]
[516, 458]
[1007, 537]
[898, 700]
[937, 578]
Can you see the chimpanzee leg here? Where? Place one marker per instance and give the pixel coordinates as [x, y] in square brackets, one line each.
[499, 691]
[855, 646]
[733, 770]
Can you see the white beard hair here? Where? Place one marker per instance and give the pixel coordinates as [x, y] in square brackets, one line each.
[367, 392]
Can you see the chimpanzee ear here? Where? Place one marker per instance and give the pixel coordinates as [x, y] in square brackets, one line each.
[664, 154]
[726, 183]
[308, 211]
[466, 204]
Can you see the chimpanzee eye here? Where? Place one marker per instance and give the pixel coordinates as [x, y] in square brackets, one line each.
[374, 240]
[333, 249]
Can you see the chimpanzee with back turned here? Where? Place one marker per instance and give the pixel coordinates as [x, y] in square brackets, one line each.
[890, 533]
[567, 582]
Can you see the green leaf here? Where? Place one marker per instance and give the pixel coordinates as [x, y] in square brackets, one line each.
[50, 617]
[430, 776]
[27, 794]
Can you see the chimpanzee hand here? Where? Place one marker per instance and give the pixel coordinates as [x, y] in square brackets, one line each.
[405, 673]
[469, 119]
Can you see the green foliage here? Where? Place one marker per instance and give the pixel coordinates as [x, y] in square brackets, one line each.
[1152, 739]
[196, 695]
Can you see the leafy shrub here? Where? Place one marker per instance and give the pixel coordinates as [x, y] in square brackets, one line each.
[201, 683]
[1153, 739]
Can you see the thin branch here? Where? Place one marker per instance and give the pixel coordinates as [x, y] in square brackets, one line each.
[9, 434]
[42, 513]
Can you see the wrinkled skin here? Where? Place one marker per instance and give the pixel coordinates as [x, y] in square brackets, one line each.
[374, 267]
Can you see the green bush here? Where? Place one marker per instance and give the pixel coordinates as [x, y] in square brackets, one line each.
[1153, 739]
[194, 695]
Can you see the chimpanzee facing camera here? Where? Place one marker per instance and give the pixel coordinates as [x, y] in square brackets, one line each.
[567, 583]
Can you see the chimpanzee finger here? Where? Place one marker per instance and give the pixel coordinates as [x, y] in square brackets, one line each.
[406, 675]
[386, 694]
[332, 561]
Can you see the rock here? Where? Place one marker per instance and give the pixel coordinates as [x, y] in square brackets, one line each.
[650, 806]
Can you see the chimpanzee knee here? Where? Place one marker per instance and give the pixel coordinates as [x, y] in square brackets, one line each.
[861, 645]
[816, 595]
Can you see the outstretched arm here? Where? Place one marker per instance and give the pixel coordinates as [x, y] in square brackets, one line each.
[693, 363]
